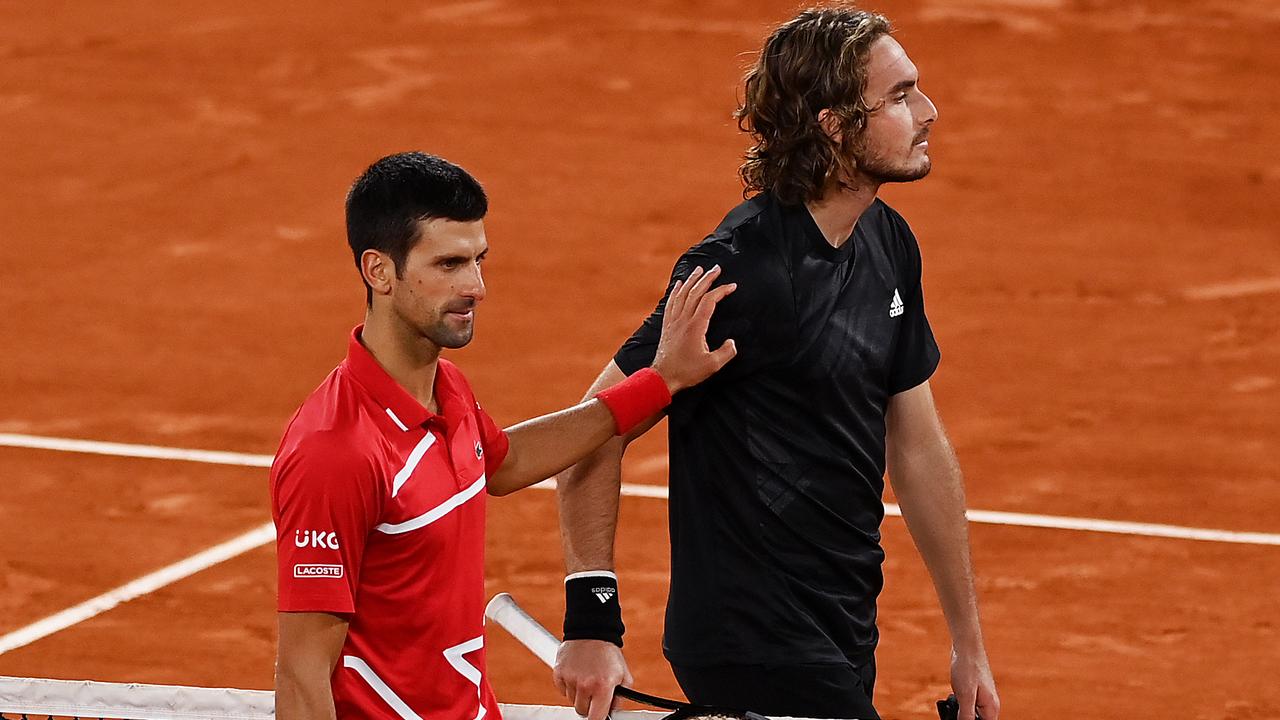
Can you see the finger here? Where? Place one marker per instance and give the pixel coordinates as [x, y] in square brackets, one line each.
[723, 354]
[988, 704]
[600, 705]
[582, 702]
[968, 699]
[708, 302]
[693, 280]
[668, 310]
[679, 295]
[700, 287]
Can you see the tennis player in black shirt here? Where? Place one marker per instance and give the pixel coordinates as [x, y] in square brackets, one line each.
[778, 462]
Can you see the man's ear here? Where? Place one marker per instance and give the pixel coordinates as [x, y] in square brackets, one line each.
[378, 271]
[830, 124]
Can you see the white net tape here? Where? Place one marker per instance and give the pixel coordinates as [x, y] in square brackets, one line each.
[135, 701]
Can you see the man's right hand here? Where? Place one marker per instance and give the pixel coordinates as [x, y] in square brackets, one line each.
[587, 671]
[683, 358]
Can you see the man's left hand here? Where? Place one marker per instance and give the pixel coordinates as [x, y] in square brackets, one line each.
[974, 687]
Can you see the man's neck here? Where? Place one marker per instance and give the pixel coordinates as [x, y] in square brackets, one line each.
[409, 358]
[836, 213]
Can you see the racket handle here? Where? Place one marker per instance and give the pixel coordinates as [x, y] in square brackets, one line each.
[949, 709]
[647, 699]
[503, 610]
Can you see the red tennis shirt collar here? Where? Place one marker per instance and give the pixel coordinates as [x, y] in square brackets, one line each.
[404, 409]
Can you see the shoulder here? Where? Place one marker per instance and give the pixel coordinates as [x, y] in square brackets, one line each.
[335, 406]
[335, 450]
[894, 232]
[328, 433]
[890, 221]
[746, 247]
[751, 229]
[325, 465]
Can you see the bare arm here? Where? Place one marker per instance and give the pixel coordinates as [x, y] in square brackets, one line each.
[588, 493]
[930, 489]
[305, 658]
[546, 445]
[587, 671]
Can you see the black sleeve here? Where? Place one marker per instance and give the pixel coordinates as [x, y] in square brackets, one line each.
[916, 353]
[733, 317]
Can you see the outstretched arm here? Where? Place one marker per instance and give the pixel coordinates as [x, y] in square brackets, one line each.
[544, 446]
[930, 489]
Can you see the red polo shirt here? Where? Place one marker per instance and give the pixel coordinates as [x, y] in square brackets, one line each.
[379, 513]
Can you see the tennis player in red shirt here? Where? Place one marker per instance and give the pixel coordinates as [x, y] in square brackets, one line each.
[378, 488]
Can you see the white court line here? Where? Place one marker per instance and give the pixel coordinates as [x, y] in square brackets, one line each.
[95, 447]
[1237, 288]
[1053, 522]
[264, 534]
[985, 517]
[149, 583]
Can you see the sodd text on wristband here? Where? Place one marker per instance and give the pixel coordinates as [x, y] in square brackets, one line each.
[636, 399]
[591, 608]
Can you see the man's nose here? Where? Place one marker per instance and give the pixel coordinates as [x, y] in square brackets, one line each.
[474, 286]
[931, 111]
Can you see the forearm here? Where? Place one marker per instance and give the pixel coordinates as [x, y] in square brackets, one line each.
[547, 445]
[930, 491]
[307, 652]
[588, 494]
[303, 698]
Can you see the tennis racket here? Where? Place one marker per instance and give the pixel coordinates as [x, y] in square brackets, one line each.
[504, 610]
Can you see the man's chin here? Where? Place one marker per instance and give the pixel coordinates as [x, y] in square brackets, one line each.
[457, 340]
[904, 174]
[452, 338]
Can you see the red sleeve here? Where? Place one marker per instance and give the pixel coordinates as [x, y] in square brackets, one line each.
[325, 500]
[493, 439]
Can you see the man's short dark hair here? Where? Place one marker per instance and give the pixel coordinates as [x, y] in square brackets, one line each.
[388, 200]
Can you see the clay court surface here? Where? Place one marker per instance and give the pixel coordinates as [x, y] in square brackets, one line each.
[1102, 265]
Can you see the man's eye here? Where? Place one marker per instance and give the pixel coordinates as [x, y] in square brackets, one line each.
[901, 98]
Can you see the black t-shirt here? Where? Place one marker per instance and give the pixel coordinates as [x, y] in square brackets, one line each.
[777, 462]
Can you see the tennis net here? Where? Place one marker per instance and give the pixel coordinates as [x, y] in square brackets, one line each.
[34, 698]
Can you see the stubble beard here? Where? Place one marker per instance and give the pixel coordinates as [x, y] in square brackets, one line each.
[882, 170]
[449, 338]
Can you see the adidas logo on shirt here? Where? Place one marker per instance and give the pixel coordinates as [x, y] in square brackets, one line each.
[604, 594]
[896, 307]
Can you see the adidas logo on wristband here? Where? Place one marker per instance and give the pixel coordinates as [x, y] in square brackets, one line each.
[591, 610]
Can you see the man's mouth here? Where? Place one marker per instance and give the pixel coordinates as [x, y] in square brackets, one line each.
[465, 312]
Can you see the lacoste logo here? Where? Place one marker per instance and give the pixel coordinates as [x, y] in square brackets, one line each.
[320, 571]
[604, 594]
[896, 307]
